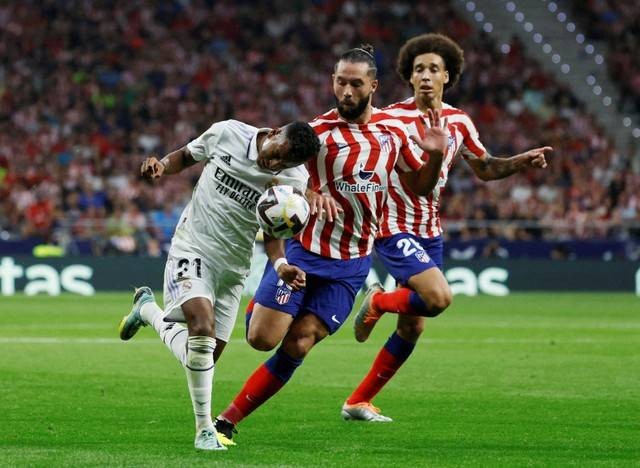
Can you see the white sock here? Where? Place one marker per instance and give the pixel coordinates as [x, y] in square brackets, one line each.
[149, 311]
[173, 335]
[199, 368]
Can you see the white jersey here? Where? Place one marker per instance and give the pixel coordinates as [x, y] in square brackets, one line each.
[219, 223]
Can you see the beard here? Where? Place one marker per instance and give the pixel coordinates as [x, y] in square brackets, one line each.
[352, 113]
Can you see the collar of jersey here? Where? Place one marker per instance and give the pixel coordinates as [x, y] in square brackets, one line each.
[252, 149]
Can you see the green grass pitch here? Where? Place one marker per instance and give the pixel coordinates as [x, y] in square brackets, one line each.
[535, 379]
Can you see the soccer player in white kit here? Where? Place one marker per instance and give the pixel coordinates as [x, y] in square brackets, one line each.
[211, 249]
[409, 241]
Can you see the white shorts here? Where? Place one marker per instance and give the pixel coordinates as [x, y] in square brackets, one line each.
[186, 276]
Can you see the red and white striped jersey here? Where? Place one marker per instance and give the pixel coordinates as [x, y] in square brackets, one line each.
[406, 211]
[353, 167]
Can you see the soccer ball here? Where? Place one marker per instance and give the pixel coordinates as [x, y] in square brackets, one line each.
[282, 211]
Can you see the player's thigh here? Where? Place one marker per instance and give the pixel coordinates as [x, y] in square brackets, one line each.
[186, 277]
[198, 313]
[267, 327]
[432, 286]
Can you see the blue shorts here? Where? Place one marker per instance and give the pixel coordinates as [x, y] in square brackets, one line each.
[332, 285]
[405, 255]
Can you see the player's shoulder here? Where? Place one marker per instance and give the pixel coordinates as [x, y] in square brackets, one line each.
[453, 113]
[323, 124]
[407, 106]
[405, 112]
[239, 128]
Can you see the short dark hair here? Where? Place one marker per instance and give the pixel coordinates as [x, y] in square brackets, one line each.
[303, 141]
[362, 54]
[439, 44]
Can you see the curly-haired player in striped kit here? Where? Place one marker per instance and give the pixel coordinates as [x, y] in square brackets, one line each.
[353, 168]
[409, 241]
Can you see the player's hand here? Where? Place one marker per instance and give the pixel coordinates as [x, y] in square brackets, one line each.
[436, 135]
[152, 168]
[536, 157]
[322, 204]
[293, 276]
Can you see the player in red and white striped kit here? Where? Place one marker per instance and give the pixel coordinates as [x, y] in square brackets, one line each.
[409, 242]
[353, 168]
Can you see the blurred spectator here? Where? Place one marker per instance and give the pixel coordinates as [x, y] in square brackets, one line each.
[87, 89]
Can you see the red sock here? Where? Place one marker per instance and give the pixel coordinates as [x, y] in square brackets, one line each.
[384, 367]
[390, 358]
[396, 302]
[261, 386]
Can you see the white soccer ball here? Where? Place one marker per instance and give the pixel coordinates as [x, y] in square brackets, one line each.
[282, 211]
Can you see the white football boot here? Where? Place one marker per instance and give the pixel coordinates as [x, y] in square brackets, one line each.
[363, 412]
[207, 439]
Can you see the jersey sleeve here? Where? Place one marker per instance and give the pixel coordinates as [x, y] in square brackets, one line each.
[300, 178]
[203, 146]
[471, 147]
[410, 157]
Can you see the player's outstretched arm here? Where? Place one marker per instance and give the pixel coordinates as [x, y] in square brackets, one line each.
[322, 204]
[172, 163]
[491, 168]
[434, 143]
[290, 274]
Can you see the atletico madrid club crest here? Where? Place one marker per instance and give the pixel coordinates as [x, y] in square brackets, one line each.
[422, 256]
[283, 294]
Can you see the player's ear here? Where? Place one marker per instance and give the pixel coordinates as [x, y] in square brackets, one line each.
[374, 85]
[273, 132]
[446, 76]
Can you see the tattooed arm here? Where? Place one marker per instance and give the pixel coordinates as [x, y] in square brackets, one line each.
[492, 168]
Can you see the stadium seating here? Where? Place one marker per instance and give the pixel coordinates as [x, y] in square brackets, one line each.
[86, 90]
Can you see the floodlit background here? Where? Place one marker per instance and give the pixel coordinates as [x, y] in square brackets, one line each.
[536, 361]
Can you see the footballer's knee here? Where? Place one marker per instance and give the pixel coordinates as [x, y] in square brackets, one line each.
[439, 300]
[410, 328]
[201, 326]
[260, 342]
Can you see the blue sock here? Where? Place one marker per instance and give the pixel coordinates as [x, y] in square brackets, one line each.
[418, 305]
[282, 365]
[401, 349]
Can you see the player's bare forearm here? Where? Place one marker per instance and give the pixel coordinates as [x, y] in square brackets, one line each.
[491, 168]
[177, 161]
[293, 276]
[172, 163]
[424, 180]
[273, 247]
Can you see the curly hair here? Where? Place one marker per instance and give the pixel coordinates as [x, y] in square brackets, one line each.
[438, 44]
[303, 141]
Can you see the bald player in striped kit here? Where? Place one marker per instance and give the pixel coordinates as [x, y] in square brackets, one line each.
[353, 168]
[409, 241]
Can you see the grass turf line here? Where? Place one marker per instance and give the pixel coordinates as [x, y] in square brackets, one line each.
[520, 380]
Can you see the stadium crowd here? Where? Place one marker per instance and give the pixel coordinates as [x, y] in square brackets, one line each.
[88, 88]
[618, 23]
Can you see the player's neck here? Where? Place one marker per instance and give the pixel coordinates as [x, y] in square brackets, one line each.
[260, 139]
[426, 103]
